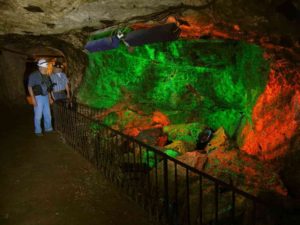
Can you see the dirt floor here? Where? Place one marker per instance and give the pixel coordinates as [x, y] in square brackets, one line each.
[43, 181]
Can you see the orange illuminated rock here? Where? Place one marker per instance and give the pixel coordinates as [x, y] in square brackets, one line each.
[134, 132]
[274, 117]
[160, 118]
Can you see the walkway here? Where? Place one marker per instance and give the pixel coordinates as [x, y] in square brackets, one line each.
[45, 182]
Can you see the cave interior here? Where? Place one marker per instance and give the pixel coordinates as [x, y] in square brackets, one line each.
[233, 69]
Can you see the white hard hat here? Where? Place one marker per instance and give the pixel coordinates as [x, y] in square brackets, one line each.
[42, 63]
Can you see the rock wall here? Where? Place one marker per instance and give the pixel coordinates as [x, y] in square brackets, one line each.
[274, 120]
[12, 68]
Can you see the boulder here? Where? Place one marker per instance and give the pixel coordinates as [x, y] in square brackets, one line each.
[219, 141]
[194, 159]
[150, 136]
[181, 146]
[185, 132]
[160, 118]
[245, 172]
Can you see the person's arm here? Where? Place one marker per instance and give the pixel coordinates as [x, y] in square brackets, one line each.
[32, 96]
[67, 86]
[68, 90]
[51, 92]
[31, 83]
[50, 97]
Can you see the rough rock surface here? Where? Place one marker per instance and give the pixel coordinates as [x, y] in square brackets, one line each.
[219, 141]
[53, 16]
[261, 22]
[194, 159]
[181, 146]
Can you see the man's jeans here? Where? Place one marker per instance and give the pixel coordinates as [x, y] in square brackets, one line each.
[42, 109]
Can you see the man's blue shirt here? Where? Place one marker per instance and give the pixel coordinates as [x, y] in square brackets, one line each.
[36, 78]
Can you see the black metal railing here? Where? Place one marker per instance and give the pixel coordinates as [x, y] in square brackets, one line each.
[171, 191]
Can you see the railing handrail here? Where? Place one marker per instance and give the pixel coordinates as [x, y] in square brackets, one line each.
[168, 188]
[159, 152]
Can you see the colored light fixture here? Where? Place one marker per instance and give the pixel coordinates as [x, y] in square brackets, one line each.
[167, 32]
[103, 44]
[162, 33]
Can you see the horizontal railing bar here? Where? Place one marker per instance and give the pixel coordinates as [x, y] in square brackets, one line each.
[162, 154]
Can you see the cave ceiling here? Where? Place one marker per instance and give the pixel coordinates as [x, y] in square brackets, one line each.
[48, 17]
[66, 24]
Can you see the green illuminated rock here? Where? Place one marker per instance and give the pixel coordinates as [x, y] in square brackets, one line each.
[185, 132]
[172, 153]
[110, 119]
[213, 83]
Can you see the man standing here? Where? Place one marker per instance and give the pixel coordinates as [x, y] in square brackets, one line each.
[39, 86]
[61, 91]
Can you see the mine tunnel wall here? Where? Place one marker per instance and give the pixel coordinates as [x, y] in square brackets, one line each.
[12, 68]
[13, 59]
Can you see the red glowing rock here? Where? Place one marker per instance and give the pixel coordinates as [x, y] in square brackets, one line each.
[274, 117]
[134, 132]
[162, 140]
[160, 118]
